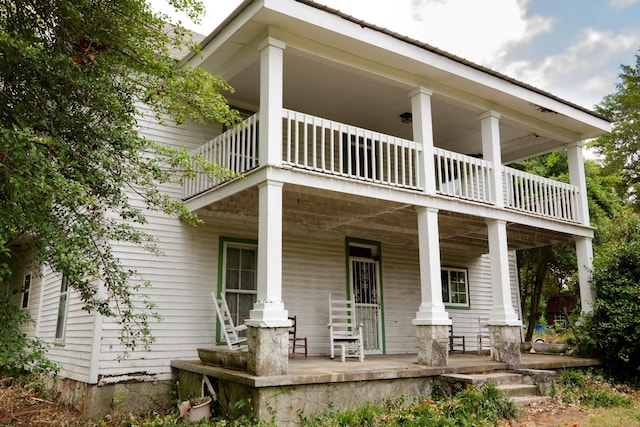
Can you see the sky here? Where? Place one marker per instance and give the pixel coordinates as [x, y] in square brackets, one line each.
[570, 48]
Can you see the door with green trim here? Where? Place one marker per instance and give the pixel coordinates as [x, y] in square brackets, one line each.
[365, 286]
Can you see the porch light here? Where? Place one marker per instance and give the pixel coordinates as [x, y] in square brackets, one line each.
[406, 117]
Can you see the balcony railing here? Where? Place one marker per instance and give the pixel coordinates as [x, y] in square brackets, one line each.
[334, 148]
[327, 147]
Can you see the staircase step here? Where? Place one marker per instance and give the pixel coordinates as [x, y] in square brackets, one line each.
[522, 401]
[478, 380]
[519, 390]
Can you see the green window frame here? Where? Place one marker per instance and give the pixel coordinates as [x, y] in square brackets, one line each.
[237, 277]
[455, 286]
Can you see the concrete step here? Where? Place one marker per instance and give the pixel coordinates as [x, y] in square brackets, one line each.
[522, 401]
[518, 390]
[478, 380]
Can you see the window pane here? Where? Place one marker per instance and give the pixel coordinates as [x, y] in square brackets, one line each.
[232, 279]
[62, 314]
[444, 278]
[248, 257]
[248, 281]
[233, 258]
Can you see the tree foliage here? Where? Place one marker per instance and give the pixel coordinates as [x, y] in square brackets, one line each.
[613, 330]
[72, 76]
[621, 148]
[17, 351]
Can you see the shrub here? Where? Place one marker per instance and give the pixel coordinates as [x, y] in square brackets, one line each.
[18, 353]
[613, 330]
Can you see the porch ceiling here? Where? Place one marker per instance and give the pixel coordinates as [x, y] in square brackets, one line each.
[364, 80]
[312, 210]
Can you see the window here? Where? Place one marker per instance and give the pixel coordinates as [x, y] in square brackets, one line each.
[455, 289]
[26, 286]
[239, 279]
[63, 304]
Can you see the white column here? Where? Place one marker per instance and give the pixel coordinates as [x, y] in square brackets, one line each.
[584, 254]
[431, 310]
[271, 88]
[423, 133]
[268, 311]
[577, 177]
[490, 129]
[502, 312]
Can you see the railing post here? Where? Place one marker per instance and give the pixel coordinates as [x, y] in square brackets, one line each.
[490, 128]
[423, 134]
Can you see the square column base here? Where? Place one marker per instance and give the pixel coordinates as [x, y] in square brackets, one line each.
[433, 344]
[505, 344]
[268, 351]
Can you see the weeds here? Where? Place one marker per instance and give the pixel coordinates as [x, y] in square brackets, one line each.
[589, 389]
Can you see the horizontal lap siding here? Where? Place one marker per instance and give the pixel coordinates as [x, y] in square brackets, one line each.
[181, 279]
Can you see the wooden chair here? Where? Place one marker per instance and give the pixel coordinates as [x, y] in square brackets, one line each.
[344, 332]
[229, 330]
[459, 338]
[484, 339]
[295, 342]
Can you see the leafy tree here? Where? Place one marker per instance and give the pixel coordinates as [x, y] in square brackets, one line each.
[613, 330]
[73, 75]
[17, 351]
[549, 270]
[621, 148]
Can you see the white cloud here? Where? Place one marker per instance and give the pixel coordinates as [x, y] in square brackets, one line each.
[480, 31]
[582, 73]
[619, 4]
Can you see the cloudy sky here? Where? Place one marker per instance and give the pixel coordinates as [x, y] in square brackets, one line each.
[571, 48]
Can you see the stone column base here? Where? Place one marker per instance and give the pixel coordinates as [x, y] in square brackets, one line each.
[505, 344]
[433, 344]
[268, 351]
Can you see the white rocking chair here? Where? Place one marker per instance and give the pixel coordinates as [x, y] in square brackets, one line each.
[229, 330]
[343, 331]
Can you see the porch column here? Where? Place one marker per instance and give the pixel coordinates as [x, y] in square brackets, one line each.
[267, 327]
[423, 133]
[584, 255]
[432, 321]
[577, 177]
[271, 88]
[584, 248]
[504, 325]
[490, 129]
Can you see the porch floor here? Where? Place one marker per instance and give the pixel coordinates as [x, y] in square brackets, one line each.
[321, 369]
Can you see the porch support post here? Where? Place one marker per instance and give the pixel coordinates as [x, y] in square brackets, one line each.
[271, 88]
[267, 333]
[432, 321]
[423, 133]
[504, 325]
[584, 254]
[490, 129]
[577, 177]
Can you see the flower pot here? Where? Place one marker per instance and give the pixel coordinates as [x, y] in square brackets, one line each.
[545, 347]
[200, 411]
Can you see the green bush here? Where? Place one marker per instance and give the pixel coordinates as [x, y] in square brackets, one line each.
[613, 330]
[589, 389]
[19, 353]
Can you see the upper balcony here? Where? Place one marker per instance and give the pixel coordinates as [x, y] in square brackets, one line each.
[316, 145]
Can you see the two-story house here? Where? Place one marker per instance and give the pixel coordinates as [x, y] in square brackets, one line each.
[374, 165]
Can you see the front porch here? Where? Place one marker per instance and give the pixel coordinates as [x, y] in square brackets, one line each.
[318, 383]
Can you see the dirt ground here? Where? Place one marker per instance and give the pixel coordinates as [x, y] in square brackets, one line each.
[21, 407]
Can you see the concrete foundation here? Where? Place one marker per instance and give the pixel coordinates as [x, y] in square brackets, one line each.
[433, 344]
[268, 351]
[505, 344]
[94, 401]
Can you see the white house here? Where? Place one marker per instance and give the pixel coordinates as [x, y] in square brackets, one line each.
[375, 166]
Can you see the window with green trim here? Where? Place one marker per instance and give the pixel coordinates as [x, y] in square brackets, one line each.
[455, 286]
[26, 288]
[239, 279]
